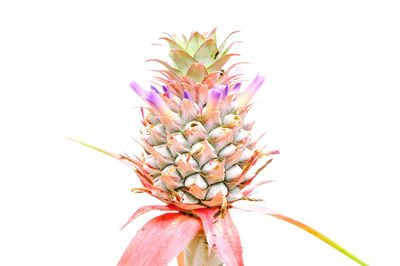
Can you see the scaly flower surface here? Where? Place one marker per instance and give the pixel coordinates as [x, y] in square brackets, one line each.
[199, 157]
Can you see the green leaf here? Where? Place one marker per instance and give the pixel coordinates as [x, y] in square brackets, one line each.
[217, 66]
[172, 43]
[182, 60]
[194, 43]
[206, 53]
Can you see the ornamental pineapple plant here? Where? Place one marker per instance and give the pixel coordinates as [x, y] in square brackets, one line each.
[199, 157]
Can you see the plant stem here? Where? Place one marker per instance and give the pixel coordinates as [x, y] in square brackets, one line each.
[196, 253]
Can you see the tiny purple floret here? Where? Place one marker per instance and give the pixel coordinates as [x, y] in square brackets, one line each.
[225, 91]
[154, 89]
[166, 90]
[237, 87]
[186, 95]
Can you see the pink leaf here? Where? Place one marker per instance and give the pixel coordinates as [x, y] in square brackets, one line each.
[222, 235]
[145, 209]
[254, 208]
[207, 217]
[160, 240]
[247, 192]
[227, 241]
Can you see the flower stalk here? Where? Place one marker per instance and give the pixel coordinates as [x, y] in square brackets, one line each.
[197, 253]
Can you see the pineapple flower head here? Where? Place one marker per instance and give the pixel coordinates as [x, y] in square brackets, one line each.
[198, 147]
[199, 157]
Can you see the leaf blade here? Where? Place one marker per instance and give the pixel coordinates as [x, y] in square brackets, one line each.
[94, 148]
[227, 241]
[145, 209]
[160, 240]
[317, 234]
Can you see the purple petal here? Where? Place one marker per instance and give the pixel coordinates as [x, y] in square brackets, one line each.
[214, 97]
[250, 91]
[139, 90]
[158, 104]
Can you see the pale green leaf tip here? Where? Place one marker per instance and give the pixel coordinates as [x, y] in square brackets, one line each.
[91, 146]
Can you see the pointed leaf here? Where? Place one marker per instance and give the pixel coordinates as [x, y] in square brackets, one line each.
[144, 209]
[327, 240]
[172, 43]
[116, 156]
[166, 65]
[227, 241]
[249, 190]
[160, 240]
[207, 217]
[213, 34]
[224, 52]
[182, 60]
[222, 236]
[206, 53]
[197, 72]
[233, 66]
[194, 43]
[222, 46]
[217, 66]
[182, 41]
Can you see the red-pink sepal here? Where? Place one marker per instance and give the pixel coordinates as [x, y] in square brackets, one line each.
[160, 240]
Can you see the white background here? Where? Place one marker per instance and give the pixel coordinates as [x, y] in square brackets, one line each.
[330, 104]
